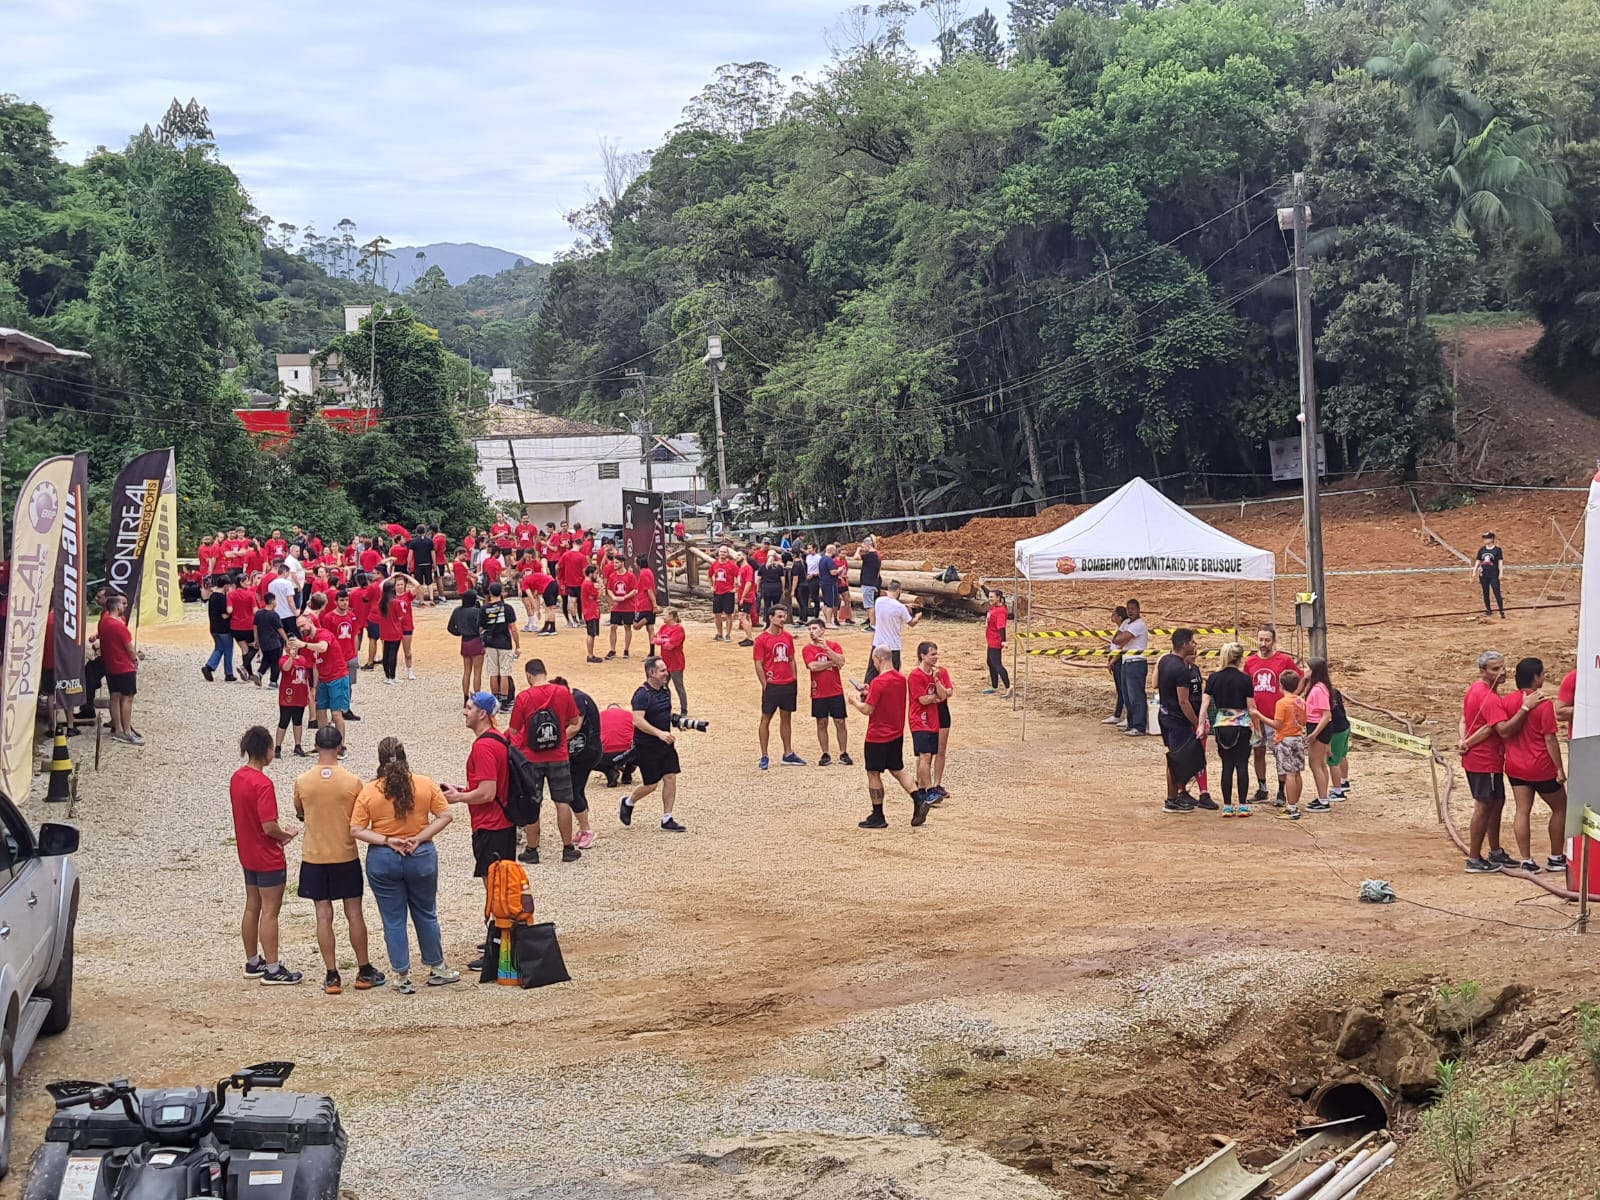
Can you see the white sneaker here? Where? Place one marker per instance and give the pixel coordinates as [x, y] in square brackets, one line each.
[1111, 721]
[410, 674]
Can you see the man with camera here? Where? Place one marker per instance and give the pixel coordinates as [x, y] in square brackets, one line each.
[774, 659]
[654, 747]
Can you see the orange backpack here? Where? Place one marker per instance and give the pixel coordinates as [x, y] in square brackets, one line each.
[506, 892]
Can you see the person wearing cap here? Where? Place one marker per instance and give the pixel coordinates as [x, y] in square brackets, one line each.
[488, 786]
[1486, 570]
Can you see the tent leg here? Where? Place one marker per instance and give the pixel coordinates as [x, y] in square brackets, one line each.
[1016, 643]
[1027, 664]
[1236, 612]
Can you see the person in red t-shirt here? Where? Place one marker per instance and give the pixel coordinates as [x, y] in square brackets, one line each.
[242, 605]
[775, 672]
[1533, 762]
[1265, 668]
[1483, 757]
[527, 535]
[296, 678]
[332, 696]
[994, 638]
[488, 786]
[724, 584]
[209, 555]
[569, 573]
[824, 660]
[341, 619]
[744, 598]
[589, 608]
[553, 763]
[121, 664]
[369, 557]
[260, 840]
[440, 557]
[924, 695]
[501, 536]
[623, 589]
[883, 703]
[462, 570]
[644, 605]
[668, 641]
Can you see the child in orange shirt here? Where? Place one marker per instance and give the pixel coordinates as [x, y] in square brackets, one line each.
[1289, 742]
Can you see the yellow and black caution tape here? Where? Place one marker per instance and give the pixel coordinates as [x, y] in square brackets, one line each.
[1392, 737]
[1069, 652]
[1111, 633]
[1591, 822]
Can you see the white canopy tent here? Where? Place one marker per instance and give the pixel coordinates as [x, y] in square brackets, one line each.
[1137, 533]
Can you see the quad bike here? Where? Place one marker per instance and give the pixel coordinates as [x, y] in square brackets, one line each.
[112, 1141]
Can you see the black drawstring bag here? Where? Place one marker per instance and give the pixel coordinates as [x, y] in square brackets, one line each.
[536, 951]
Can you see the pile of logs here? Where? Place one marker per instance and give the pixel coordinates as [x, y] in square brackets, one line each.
[919, 588]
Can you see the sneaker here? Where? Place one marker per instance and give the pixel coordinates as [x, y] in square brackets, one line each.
[875, 821]
[476, 964]
[122, 737]
[1138, 733]
[1177, 805]
[991, 691]
[1481, 866]
[1529, 866]
[258, 679]
[1227, 810]
[439, 976]
[369, 977]
[331, 984]
[747, 643]
[1206, 802]
[530, 855]
[208, 675]
[825, 761]
[625, 812]
[300, 752]
[344, 753]
[1261, 795]
[411, 675]
[1337, 795]
[1121, 725]
[671, 826]
[1291, 813]
[280, 974]
[611, 654]
[585, 839]
[1556, 863]
[230, 679]
[764, 763]
[627, 654]
[570, 854]
[1501, 857]
[277, 752]
[845, 760]
[919, 809]
[936, 794]
[254, 968]
[403, 985]
[1244, 810]
[1319, 805]
[1279, 802]
[1103, 720]
[350, 716]
[134, 737]
[371, 666]
[594, 659]
[792, 760]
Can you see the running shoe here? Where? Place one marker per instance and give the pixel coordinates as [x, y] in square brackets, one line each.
[1502, 858]
[991, 691]
[1319, 805]
[875, 821]
[671, 826]
[919, 809]
[1244, 810]
[476, 964]
[258, 680]
[585, 839]
[369, 977]
[410, 674]
[1103, 720]
[625, 812]
[277, 752]
[439, 976]
[208, 675]
[747, 643]
[825, 761]
[1206, 802]
[1556, 862]
[280, 974]
[845, 760]
[1481, 866]
[1289, 814]
[350, 716]
[792, 760]
[530, 855]
[935, 794]
[254, 968]
[764, 763]
[611, 654]
[1337, 795]
[403, 985]
[594, 659]
[570, 854]
[1227, 810]
[1261, 795]
[331, 984]
[1177, 804]
[300, 752]
[1137, 732]
[1529, 866]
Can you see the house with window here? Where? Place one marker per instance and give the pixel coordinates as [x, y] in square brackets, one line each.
[555, 469]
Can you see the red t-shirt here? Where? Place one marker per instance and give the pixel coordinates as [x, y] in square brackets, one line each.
[775, 653]
[116, 646]
[1264, 675]
[501, 533]
[1482, 707]
[388, 622]
[395, 529]
[408, 620]
[488, 760]
[1568, 694]
[463, 574]
[922, 718]
[208, 556]
[255, 802]
[275, 548]
[619, 586]
[243, 602]
[294, 679]
[570, 568]
[252, 560]
[529, 701]
[370, 559]
[590, 599]
[669, 640]
[887, 695]
[527, 535]
[1526, 754]
[361, 605]
[724, 577]
[439, 545]
[994, 629]
[646, 599]
[333, 663]
[746, 583]
[493, 568]
[826, 683]
[616, 730]
[343, 626]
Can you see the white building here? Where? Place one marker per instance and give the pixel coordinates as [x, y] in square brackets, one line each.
[299, 375]
[504, 387]
[560, 470]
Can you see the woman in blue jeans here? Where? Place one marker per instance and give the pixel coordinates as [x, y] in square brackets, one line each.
[399, 814]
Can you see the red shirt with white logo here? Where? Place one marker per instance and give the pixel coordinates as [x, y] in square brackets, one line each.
[922, 718]
[887, 695]
[342, 625]
[294, 679]
[620, 585]
[724, 577]
[826, 683]
[775, 653]
[1264, 675]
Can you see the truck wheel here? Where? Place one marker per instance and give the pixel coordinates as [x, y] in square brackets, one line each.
[8, 1097]
[59, 993]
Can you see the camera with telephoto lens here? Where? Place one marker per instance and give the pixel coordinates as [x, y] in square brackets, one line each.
[695, 723]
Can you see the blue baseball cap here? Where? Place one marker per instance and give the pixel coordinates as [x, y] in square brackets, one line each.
[487, 702]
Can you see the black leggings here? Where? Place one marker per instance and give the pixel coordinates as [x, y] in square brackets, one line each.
[998, 677]
[1235, 759]
[1486, 584]
[580, 784]
[391, 658]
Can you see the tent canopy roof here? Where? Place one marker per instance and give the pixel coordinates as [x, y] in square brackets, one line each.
[1137, 533]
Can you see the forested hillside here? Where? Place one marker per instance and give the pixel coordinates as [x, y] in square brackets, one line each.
[1047, 255]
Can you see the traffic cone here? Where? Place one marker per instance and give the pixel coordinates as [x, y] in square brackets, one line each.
[60, 790]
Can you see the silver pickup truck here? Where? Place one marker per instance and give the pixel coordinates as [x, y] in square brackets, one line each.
[38, 910]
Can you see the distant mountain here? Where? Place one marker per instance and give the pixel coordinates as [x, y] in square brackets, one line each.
[459, 261]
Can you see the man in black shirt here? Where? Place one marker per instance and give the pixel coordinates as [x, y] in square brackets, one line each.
[1179, 688]
[421, 547]
[871, 576]
[654, 750]
[1487, 571]
[501, 643]
[221, 629]
[772, 576]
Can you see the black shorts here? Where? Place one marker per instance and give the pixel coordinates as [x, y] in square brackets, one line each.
[1543, 786]
[552, 593]
[830, 595]
[623, 618]
[123, 683]
[748, 608]
[647, 618]
[244, 635]
[331, 881]
[372, 631]
[1175, 735]
[944, 715]
[1487, 787]
[425, 574]
[592, 626]
[265, 879]
[490, 845]
[824, 707]
[654, 758]
[924, 741]
[575, 591]
[884, 756]
[722, 604]
[291, 714]
[779, 697]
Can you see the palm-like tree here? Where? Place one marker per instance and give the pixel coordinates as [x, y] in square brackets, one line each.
[1502, 182]
[1429, 77]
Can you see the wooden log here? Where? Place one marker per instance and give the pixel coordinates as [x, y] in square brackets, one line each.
[889, 565]
[923, 581]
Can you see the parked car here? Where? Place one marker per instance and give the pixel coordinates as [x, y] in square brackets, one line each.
[38, 913]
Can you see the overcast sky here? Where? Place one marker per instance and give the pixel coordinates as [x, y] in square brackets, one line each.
[468, 121]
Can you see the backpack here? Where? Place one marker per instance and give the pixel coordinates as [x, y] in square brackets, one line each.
[505, 886]
[584, 745]
[526, 791]
[544, 731]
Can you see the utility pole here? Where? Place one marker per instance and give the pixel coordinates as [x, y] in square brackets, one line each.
[516, 475]
[1298, 217]
[642, 425]
[714, 361]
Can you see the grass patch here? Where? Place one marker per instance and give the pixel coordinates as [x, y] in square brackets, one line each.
[1459, 321]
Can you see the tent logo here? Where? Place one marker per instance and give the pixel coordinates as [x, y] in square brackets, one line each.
[1066, 565]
